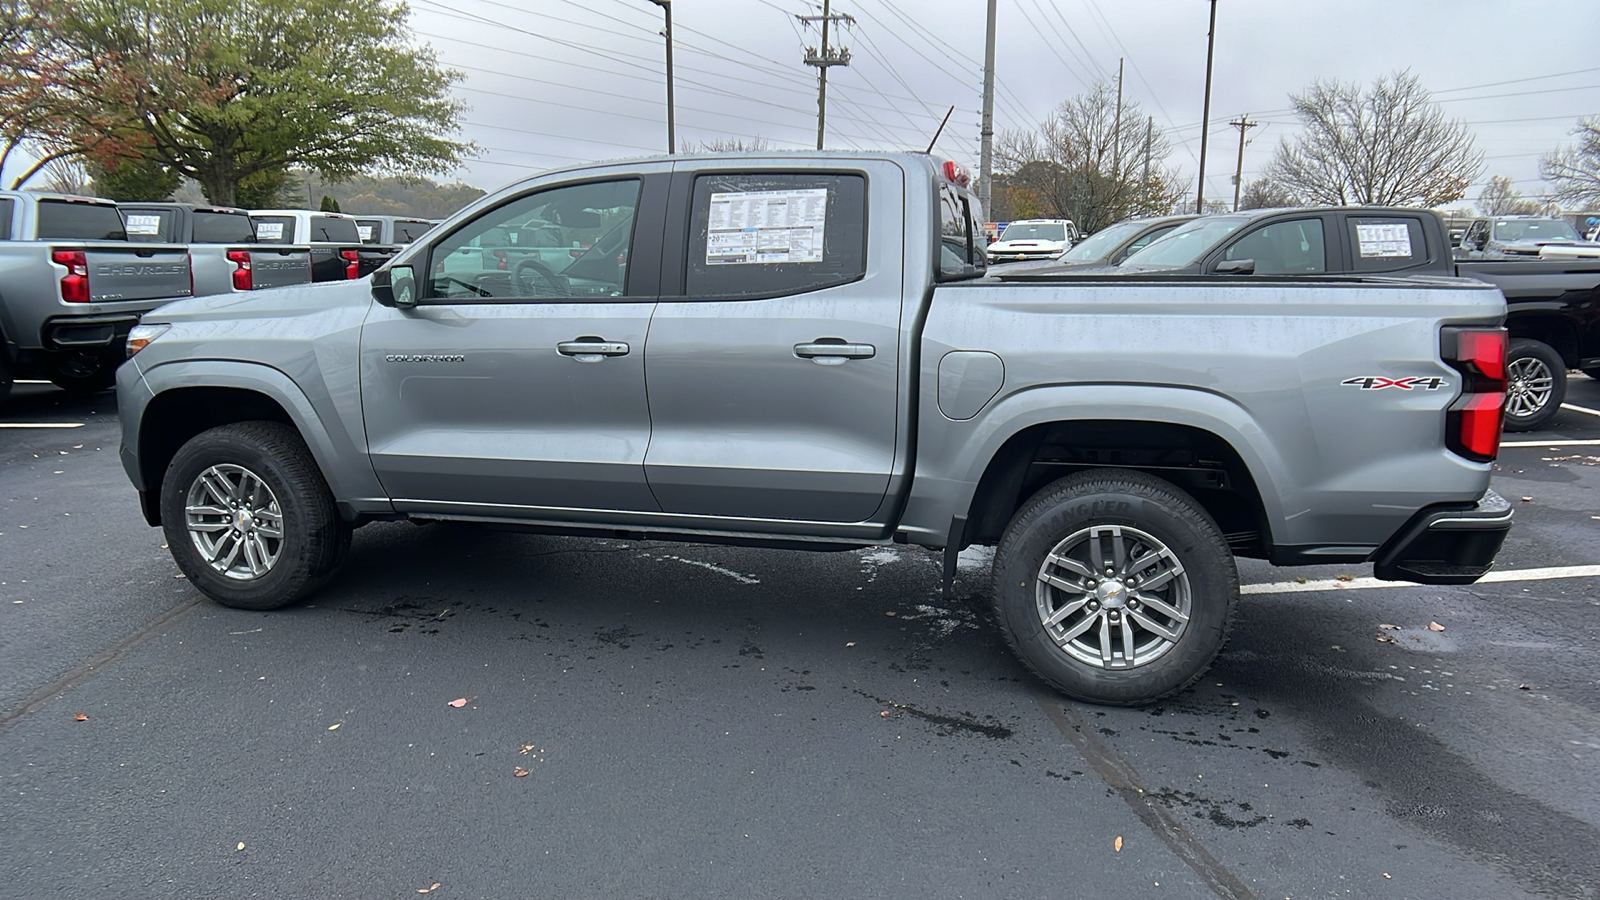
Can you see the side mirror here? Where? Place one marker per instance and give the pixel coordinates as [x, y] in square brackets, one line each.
[1236, 267]
[395, 286]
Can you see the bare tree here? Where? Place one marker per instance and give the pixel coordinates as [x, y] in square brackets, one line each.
[1090, 164]
[1390, 146]
[756, 144]
[1575, 171]
[1264, 193]
[1499, 198]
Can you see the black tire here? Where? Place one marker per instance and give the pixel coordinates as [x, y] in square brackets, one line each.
[312, 538]
[1133, 510]
[1536, 384]
[7, 377]
[82, 373]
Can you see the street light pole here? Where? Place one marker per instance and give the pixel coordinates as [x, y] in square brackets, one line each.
[672, 138]
[1205, 117]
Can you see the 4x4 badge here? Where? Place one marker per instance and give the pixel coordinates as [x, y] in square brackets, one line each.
[1379, 382]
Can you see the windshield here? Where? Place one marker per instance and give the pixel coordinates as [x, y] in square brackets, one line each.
[1100, 244]
[1186, 243]
[1034, 231]
[1535, 230]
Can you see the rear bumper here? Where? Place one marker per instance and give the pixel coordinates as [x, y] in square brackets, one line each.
[87, 332]
[1446, 544]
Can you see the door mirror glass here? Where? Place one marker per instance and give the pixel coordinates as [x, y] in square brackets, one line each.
[403, 286]
[1236, 267]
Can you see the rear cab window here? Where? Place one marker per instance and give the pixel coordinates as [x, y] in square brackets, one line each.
[7, 208]
[148, 224]
[335, 231]
[274, 229]
[776, 233]
[72, 220]
[962, 252]
[222, 228]
[370, 230]
[1385, 243]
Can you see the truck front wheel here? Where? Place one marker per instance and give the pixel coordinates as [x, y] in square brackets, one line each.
[1115, 587]
[249, 518]
[1536, 383]
[84, 373]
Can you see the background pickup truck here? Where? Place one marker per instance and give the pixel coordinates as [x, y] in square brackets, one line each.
[1553, 304]
[799, 351]
[71, 285]
[223, 253]
[337, 253]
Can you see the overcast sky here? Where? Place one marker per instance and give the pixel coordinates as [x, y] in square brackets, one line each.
[552, 82]
[556, 82]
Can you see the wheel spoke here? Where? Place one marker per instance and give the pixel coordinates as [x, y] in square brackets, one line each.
[209, 527]
[1070, 564]
[218, 486]
[1127, 641]
[1083, 625]
[251, 559]
[274, 531]
[1066, 609]
[1143, 561]
[1119, 552]
[1156, 581]
[206, 510]
[1151, 625]
[1060, 583]
[223, 565]
[1105, 641]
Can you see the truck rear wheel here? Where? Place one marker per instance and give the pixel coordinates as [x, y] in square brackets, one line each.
[1115, 587]
[249, 518]
[1536, 384]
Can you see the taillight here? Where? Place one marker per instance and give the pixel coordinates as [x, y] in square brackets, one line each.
[243, 279]
[352, 263]
[74, 284]
[1473, 422]
[188, 263]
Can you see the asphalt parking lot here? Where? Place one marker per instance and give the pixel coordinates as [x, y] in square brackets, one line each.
[717, 722]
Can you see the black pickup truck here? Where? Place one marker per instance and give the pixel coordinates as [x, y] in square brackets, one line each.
[1553, 305]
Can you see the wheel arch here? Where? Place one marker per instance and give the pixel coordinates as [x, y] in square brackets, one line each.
[1557, 332]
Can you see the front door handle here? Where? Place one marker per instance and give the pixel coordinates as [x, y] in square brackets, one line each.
[833, 351]
[592, 349]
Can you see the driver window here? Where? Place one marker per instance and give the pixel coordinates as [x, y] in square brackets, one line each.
[566, 242]
[1283, 248]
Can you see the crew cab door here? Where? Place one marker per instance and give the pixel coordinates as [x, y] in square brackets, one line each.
[515, 392]
[772, 362]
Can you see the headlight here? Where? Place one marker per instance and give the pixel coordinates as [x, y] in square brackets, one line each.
[141, 336]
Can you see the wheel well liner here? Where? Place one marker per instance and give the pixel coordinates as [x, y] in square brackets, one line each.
[1559, 333]
[174, 416]
[1195, 460]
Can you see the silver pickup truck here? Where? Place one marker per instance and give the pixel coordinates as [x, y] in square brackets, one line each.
[800, 351]
[223, 252]
[71, 285]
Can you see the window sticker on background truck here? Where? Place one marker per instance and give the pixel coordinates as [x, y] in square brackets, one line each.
[766, 227]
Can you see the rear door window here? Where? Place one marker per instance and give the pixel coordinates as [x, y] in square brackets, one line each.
[274, 229]
[69, 220]
[1294, 247]
[1385, 243]
[406, 232]
[776, 233]
[222, 228]
[336, 231]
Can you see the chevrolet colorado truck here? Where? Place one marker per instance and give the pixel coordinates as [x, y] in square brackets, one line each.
[1553, 305]
[223, 252]
[800, 351]
[71, 285]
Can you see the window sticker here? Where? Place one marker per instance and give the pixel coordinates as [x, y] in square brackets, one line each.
[144, 224]
[269, 231]
[766, 227]
[365, 231]
[1383, 241]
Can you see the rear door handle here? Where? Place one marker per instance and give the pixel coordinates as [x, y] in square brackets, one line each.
[833, 351]
[592, 349]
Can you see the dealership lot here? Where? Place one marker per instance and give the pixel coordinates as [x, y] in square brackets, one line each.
[725, 722]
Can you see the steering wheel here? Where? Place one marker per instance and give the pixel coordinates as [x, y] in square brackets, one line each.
[534, 279]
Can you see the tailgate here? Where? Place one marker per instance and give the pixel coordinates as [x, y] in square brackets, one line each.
[272, 266]
[136, 271]
[328, 262]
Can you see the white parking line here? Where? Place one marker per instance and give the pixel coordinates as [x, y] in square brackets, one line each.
[41, 424]
[31, 381]
[1356, 584]
[1551, 444]
[1582, 409]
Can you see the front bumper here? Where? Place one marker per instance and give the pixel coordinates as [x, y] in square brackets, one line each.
[1447, 544]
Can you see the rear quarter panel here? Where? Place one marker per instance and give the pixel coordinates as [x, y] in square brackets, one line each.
[1261, 365]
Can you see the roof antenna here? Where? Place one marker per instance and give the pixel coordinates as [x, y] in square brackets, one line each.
[940, 131]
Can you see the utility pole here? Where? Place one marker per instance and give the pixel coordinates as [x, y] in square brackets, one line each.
[825, 59]
[1116, 129]
[1205, 117]
[986, 136]
[672, 137]
[1144, 185]
[1244, 124]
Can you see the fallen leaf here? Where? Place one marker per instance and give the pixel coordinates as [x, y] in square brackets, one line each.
[335, 726]
[884, 714]
[520, 772]
[1389, 627]
[1117, 844]
[1299, 579]
[240, 847]
[1527, 499]
[526, 748]
[890, 613]
[179, 575]
[429, 889]
[1386, 639]
[1524, 687]
[1345, 577]
[1387, 875]
[81, 717]
[853, 643]
[458, 703]
[1435, 626]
